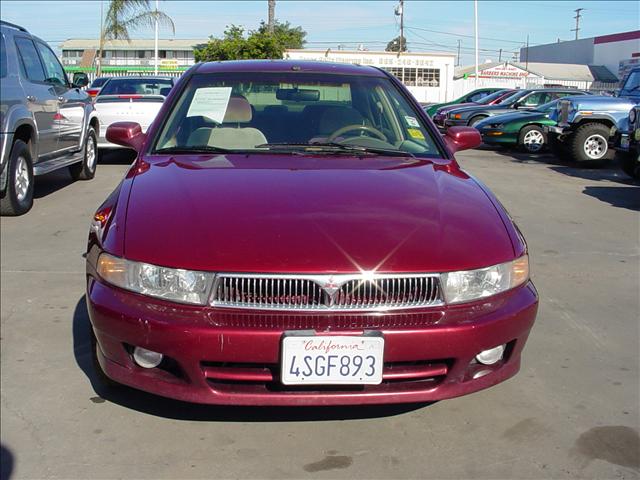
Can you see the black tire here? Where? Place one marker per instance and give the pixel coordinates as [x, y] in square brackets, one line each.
[630, 163]
[101, 377]
[18, 197]
[532, 139]
[590, 137]
[86, 169]
[476, 119]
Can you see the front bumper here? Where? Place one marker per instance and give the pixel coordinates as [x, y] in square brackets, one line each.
[449, 122]
[221, 356]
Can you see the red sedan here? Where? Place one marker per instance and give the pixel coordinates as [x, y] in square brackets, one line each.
[299, 233]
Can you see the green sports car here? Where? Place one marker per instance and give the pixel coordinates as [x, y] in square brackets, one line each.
[523, 128]
[470, 97]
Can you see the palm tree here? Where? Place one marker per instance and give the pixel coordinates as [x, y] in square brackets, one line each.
[123, 16]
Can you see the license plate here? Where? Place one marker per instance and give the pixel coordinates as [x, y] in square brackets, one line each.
[309, 359]
[624, 143]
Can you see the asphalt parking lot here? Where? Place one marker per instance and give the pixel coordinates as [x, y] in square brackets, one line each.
[572, 411]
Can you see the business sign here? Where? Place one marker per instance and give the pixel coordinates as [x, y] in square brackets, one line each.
[504, 71]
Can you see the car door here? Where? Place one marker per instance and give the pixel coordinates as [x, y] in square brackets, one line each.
[41, 97]
[71, 101]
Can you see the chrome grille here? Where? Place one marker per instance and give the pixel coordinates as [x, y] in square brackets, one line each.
[564, 112]
[326, 292]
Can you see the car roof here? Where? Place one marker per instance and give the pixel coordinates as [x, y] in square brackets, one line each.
[139, 77]
[307, 66]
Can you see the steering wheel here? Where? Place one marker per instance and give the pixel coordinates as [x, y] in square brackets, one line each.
[365, 128]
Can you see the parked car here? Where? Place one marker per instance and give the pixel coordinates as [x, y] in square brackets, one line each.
[493, 99]
[585, 126]
[96, 85]
[471, 97]
[299, 233]
[628, 144]
[527, 99]
[46, 121]
[523, 129]
[135, 99]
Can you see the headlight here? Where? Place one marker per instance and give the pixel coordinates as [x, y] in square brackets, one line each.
[185, 286]
[632, 117]
[495, 125]
[475, 284]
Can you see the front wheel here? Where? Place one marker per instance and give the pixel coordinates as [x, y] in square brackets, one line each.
[86, 169]
[475, 120]
[590, 142]
[18, 198]
[532, 139]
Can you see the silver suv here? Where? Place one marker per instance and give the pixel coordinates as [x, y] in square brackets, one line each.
[46, 121]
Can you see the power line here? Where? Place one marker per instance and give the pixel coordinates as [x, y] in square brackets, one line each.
[462, 35]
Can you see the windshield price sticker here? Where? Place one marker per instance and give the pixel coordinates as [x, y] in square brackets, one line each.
[415, 133]
[330, 360]
[412, 122]
[210, 102]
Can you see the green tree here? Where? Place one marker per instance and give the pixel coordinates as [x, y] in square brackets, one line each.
[125, 16]
[394, 45]
[256, 44]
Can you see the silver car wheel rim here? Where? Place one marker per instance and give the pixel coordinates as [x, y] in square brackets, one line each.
[533, 140]
[595, 147]
[91, 153]
[22, 179]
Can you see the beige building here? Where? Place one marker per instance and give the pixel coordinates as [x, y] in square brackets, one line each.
[429, 76]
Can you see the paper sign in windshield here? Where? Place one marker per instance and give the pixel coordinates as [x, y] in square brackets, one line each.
[412, 122]
[210, 102]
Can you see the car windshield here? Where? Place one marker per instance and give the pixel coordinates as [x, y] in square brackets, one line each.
[98, 82]
[633, 82]
[511, 99]
[137, 86]
[294, 112]
[547, 107]
[490, 98]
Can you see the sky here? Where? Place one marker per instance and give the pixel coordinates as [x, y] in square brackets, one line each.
[429, 25]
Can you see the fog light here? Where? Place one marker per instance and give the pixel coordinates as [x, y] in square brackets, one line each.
[146, 358]
[491, 356]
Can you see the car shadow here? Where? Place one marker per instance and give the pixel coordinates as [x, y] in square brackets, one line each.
[116, 156]
[622, 197]
[178, 410]
[6, 463]
[51, 183]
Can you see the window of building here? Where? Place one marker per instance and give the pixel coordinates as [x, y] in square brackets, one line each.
[140, 53]
[162, 54]
[428, 77]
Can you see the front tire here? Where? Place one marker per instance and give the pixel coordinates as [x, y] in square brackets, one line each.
[590, 143]
[86, 169]
[532, 139]
[475, 120]
[18, 198]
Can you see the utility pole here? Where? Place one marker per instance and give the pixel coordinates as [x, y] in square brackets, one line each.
[526, 55]
[475, 14]
[458, 57]
[272, 15]
[155, 45]
[100, 42]
[500, 56]
[399, 12]
[577, 17]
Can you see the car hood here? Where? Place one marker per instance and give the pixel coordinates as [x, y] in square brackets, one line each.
[446, 108]
[516, 116]
[305, 214]
[601, 103]
[488, 109]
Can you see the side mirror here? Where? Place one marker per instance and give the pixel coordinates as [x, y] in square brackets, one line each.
[462, 138]
[126, 134]
[80, 80]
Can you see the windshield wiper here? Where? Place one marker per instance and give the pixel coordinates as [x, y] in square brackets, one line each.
[335, 147]
[196, 149]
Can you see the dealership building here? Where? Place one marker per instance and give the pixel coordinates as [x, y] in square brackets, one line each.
[429, 76]
[617, 52]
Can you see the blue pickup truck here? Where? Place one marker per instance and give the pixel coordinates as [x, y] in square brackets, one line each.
[627, 143]
[586, 126]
